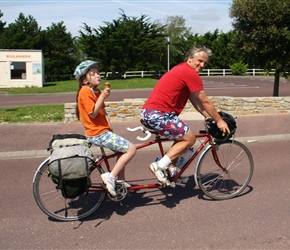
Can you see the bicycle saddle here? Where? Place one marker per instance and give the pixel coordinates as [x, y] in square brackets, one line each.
[146, 125]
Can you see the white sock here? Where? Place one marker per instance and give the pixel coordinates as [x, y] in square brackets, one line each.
[164, 162]
[113, 177]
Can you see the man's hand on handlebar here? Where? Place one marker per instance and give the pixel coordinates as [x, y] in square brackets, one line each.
[223, 126]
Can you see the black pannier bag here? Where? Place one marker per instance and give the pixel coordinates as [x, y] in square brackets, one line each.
[70, 164]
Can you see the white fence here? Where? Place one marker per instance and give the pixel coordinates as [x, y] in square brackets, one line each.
[205, 72]
[158, 74]
[224, 72]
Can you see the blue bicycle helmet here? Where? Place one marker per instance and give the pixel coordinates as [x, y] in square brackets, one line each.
[84, 67]
[216, 133]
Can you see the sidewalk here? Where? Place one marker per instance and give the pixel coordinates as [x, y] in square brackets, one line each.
[31, 140]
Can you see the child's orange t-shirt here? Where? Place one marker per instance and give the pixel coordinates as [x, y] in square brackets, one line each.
[86, 104]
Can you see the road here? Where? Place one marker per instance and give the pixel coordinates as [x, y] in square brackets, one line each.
[239, 86]
[157, 219]
[179, 218]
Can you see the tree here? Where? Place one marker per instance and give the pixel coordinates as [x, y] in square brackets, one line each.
[178, 34]
[56, 43]
[223, 52]
[206, 40]
[263, 34]
[128, 43]
[23, 34]
[59, 50]
[2, 24]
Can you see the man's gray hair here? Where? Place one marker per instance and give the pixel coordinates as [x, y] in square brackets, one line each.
[196, 49]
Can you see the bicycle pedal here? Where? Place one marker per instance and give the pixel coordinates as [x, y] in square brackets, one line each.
[180, 184]
[161, 184]
[182, 180]
[165, 185]
[172, 184]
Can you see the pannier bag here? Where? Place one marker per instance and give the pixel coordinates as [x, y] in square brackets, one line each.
[67, 140]
[70, 164]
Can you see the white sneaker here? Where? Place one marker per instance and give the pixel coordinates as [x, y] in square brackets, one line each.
[159, 173]
[110, 183]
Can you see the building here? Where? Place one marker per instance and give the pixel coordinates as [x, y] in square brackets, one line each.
[21, 68]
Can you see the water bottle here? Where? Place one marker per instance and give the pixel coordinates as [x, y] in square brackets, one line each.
[184, 158]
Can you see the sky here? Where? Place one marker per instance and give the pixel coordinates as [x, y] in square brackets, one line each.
[200, 16]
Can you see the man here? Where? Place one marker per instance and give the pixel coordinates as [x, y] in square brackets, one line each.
[168, 99]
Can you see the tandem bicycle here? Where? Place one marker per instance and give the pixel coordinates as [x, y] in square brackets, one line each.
[223, 170]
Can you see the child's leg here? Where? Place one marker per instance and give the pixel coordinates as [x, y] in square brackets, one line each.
[119, 168]
[117, 144]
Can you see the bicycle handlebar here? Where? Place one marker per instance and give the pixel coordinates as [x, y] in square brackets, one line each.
[142, 129]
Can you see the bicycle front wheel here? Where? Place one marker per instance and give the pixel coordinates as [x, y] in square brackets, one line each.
[234, 176]
[51, 202]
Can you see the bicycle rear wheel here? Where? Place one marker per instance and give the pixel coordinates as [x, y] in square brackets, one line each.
[51, 202]
[238, 164]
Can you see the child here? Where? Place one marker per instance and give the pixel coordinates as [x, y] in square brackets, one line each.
[90, 109]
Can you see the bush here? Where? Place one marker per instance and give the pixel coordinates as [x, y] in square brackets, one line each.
[239, 68]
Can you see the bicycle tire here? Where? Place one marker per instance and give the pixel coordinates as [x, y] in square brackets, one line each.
[217, 184]
[52, 203]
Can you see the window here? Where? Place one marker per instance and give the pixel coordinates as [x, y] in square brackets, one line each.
[18, 70]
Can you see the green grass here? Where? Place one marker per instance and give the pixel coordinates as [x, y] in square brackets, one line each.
[72, 86]
[55, 113]
[31, 114]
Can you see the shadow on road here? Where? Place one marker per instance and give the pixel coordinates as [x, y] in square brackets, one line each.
[168, 197]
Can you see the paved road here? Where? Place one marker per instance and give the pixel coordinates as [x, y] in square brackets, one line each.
[214, 86]
[157, 219]
[177, 218]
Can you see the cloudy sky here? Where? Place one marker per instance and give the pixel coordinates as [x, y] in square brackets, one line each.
[201, 16]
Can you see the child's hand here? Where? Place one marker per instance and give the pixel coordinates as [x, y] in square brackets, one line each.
[105, 93]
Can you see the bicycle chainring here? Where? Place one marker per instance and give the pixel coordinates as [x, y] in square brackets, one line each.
[121, 191]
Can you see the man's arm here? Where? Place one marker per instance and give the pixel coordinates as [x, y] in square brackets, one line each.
[205, 106]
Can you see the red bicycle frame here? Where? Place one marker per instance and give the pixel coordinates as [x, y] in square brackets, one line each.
[159, 140]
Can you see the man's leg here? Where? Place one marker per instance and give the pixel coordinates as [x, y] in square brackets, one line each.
[181, 145]
[170, 126]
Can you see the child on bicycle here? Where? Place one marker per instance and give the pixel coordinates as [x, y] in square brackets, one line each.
[90, 109]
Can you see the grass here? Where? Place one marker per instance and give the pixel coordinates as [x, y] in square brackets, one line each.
[32, 114]
[72, 86]
[55, 113]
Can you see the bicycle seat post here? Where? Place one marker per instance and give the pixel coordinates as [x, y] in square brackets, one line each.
[102, 151]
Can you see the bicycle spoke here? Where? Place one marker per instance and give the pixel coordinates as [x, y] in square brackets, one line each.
[237, 161]
[50, 200]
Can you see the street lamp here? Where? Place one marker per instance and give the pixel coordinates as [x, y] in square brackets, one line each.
[168, 55]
